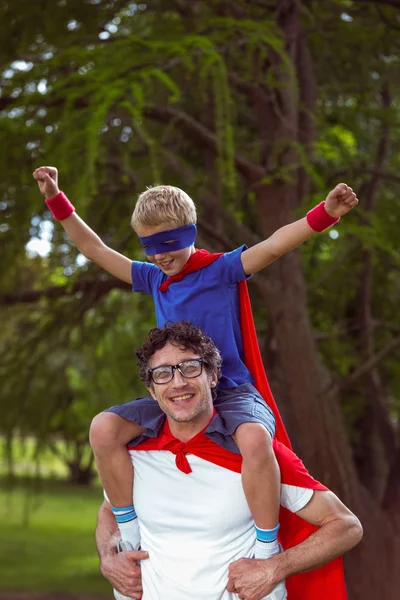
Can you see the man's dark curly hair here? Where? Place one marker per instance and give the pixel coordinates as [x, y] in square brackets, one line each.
[184, 335]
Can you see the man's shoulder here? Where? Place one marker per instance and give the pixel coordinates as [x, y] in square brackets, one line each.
[294, 497]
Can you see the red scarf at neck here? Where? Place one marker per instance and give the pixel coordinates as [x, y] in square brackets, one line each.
[198, 260]
[166, 441]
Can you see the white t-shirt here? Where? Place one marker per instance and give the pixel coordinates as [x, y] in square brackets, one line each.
[194, 525]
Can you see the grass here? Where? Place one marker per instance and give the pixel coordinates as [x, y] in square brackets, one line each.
[47, 538]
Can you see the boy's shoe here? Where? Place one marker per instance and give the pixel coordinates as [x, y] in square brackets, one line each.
[122, 547]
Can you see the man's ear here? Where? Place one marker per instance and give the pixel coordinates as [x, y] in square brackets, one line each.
[151, 390]
[214, 380]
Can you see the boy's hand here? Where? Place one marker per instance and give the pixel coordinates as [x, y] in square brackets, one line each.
[340, 200]
[47, 178]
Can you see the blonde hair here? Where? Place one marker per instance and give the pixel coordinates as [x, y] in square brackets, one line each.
[164, 204]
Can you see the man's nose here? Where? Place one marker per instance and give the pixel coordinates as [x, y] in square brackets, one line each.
[179, 380]
[159, 256]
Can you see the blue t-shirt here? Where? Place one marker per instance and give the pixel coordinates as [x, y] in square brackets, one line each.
[207, 298]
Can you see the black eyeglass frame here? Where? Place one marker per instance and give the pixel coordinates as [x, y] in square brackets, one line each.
[177, 367]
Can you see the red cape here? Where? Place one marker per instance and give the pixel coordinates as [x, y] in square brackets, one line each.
[326, 582]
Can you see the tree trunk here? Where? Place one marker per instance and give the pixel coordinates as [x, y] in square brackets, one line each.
[9, 454]
[313, 418]
[79, 475]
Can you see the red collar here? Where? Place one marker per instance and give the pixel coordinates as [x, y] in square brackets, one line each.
[198, 260]
[166, 441]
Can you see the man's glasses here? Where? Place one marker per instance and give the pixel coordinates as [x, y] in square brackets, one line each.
[187, 368]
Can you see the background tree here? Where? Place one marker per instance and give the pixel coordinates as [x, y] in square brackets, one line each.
[256, 109]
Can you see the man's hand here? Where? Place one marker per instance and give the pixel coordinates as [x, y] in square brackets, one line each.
[47, 178]
[123, 572]
[340, 200]
[252, 579]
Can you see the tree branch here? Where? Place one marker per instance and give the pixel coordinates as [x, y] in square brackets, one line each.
[166, 114]
[394, 3]
[195, 130]
[52, 446]
[327, 274]
[96, 287]
[367, 366]
[338, 175]
[391, 498]
[381, 154]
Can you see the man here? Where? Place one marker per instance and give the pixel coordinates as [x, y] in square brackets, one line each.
[195, 523]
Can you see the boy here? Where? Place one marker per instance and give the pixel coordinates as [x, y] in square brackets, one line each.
[164, 219]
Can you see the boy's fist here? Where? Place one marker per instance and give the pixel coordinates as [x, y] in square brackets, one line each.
[47, 178]
[340, 200]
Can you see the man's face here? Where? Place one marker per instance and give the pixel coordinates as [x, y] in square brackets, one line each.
[183, 400]
[170, 263]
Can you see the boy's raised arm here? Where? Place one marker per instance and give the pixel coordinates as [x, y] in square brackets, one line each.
[338, 202]
[84, 238]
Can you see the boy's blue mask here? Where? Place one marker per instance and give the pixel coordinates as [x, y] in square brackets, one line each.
[179, 238]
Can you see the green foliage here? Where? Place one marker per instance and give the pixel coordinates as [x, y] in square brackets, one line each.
[85, 103]
[337, 144]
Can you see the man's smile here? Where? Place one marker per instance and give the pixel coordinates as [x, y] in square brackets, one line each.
[182, 398]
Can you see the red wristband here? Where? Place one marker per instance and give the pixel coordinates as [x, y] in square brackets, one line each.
[318, 219]
[60, 206]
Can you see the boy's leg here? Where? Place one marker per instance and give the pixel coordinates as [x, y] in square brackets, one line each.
[261, 484]
[109, 434]
[251, 423]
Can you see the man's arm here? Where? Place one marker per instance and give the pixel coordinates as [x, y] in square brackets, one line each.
[121, 570]
[339, 531]
[338, 202]
[84, 238]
